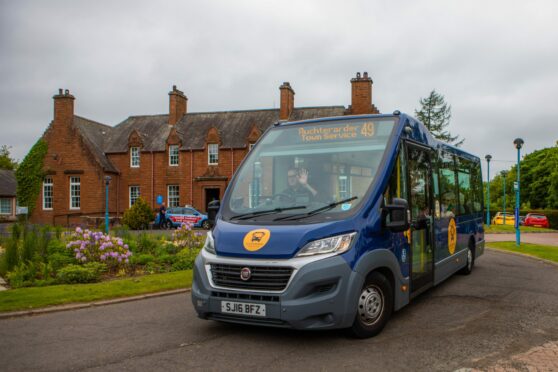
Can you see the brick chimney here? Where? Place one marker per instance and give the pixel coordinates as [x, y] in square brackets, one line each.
[63, 107]
[177, 105]
[287, 101]
[361, 95]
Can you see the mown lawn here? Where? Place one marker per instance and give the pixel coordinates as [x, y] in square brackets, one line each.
[495, 229]
[546, 252]
[36, 297]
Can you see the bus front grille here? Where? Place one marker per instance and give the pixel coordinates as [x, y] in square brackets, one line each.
[262, 278]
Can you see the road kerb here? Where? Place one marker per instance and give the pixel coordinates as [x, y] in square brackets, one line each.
[76, 306]
[521, 254]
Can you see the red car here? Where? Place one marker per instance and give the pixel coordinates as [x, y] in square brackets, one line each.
[537, 220]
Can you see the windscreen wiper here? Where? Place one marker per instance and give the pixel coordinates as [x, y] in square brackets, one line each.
[246, 216]
[315, 211]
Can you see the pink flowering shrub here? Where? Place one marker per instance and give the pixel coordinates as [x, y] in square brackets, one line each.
[189, 242]
[186, 237]
[94, 246]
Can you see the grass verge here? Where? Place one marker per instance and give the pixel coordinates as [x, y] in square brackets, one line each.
[503, 229]
[546, 252]
[36, 297]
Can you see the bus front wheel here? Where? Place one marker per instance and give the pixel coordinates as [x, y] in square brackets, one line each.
[374, 306]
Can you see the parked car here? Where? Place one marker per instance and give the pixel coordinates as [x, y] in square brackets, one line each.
[178, 215]
[536, 220]
[499, 219]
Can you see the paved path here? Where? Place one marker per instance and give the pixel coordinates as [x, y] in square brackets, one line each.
[535, 238]
[504, 311]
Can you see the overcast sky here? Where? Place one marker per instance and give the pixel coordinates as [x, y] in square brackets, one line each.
[496, 62]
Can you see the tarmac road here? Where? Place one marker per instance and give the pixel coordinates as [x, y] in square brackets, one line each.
[507, 306]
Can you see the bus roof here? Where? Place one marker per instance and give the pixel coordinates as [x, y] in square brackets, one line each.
[419, 133]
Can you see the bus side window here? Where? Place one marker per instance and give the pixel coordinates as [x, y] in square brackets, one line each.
[397, 186]
[448, 187]
[464, 178]
[436, 187]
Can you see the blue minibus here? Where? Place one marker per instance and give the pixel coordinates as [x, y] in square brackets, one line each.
[337, 222]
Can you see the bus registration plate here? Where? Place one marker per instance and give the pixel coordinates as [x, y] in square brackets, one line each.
[242, 308]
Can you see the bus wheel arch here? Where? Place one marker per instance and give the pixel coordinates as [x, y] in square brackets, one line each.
[374, 305]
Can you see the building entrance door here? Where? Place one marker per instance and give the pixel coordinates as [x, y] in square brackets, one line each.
[211, 194]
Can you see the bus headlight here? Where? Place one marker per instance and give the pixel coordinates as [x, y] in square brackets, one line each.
[209, 245]
[335, 244]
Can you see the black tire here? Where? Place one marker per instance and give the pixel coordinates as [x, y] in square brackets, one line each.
[168, 225]
[374, 306]
[205, 225]
[468, 269]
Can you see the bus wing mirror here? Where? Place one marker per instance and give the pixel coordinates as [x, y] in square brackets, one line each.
[396, 215]
[212, 209]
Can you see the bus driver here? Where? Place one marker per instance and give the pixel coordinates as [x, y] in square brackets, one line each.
[297, 180]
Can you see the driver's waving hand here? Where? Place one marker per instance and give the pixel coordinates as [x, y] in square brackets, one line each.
[297, 180]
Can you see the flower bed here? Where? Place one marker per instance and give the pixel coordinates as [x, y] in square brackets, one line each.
[43, 256]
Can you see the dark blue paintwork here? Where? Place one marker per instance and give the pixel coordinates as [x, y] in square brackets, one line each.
[287, 239]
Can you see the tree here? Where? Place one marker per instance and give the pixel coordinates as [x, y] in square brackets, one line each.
[6, 162]
[539, 182]
[139, 216]
[435, 113]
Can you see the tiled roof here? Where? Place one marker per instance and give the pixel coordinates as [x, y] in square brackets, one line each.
[8, 183]
[233, 127]
[95, 137]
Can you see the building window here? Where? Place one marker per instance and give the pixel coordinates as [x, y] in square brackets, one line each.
[75, 193]
[173, 195]
[134, 157]
[213, 153]
[344, 191]
[134, 194]
[173, 155]
[47, 193]
[6, 206]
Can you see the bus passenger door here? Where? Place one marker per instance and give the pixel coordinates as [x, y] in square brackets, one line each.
[420, 202]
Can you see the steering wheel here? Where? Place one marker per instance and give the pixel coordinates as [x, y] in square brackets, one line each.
[283, 197]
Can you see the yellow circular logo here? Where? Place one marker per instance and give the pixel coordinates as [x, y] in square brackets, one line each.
[256, 239]
[452, 236]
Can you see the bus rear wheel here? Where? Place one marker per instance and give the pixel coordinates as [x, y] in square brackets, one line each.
[470, 261]
[374, 306]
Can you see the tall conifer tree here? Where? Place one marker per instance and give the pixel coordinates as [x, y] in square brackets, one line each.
[435, 113]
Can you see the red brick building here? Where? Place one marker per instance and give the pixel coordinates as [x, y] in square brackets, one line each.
[187, 158]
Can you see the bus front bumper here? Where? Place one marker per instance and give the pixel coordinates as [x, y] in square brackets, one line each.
[321, 294]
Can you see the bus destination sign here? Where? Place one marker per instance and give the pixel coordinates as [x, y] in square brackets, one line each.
[339, 132]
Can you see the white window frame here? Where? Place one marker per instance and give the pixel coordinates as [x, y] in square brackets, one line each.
[134, 157]
[344, 186]
[134, 192]
[75, 192]
[250, 146]
[174, 199]
[172, 156]
[48, 185]
[213, 149]
[11, 207]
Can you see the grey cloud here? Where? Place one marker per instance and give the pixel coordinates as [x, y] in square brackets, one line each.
[495, 62]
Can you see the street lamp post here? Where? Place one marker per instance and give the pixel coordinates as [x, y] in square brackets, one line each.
[107, 181]
[488, 158]
[504, 174]
[518, 142]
